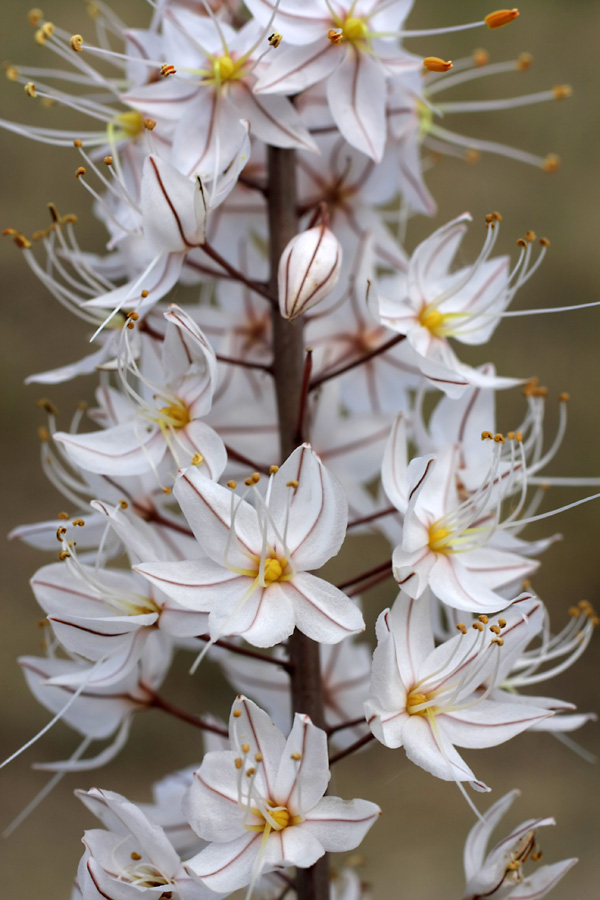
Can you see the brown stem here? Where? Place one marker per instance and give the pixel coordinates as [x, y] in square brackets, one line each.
[361, 742]
[388, 511]
[237, 275]
[160, 703]
[358, 361]
[372, 582]
[351, 723]
[239, 457]
[376, 570]
[246, 363]
[245, 651]
[288, 362]
[300, 427]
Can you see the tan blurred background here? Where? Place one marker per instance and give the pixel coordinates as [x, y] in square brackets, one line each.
[416, 849]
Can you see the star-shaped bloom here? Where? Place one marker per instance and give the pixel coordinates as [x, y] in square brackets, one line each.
[255, 580]
[431, 699]
[430, 303]
[261, 804]
[499, 874]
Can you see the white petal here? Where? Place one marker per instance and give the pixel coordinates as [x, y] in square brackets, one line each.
[301, 783]
[322, 611]
[132, 448]
[356, 94]
[340, 825]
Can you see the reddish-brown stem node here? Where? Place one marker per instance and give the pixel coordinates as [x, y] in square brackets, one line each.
[385, 567]
[160, 703]
[361, 742]
[351, 723]
[234, 273]
[245, 363]
[245, 651]
[359, 361]
[364, 520]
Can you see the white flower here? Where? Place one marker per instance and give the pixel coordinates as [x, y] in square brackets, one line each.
[499, 875]
[261, 804]
[428, 699]
[255, 581]
[132, 858]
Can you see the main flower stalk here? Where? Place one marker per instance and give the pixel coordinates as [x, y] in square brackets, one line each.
[288, 365]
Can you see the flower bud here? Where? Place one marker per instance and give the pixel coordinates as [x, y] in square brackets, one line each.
[308, 270]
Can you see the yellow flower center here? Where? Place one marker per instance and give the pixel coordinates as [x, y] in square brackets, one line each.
[354, 29]
[226, 69]
[417, 698]
[425, 113]
[130, 124]
[177, 415]
[278, 819]
[274, 569]
[438, 538]
[432, 320]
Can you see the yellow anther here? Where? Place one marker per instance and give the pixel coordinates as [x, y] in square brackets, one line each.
[35, 16]
[135, 855]
[499, 641]
[250, 772]
[436, 64]
[499, 438]
[30, 89]
[76, 43]
[144, 294]
[60, 533]
[12, 73]
[80, 171]
[292, 484]
[551, 163]
[481, 58]
[544, 242]
[108, 160]
[472, 156]
[123, 504]
[275, 39]
[245, 748]
[248, 482]
[335, 35]
[79, 522]
[510, 435]
[255, 477]
[166, 489]
[47, 405]
[296, 756]
[462, 627]
[258, 757]
[133, 315]
[273, 470]
[495, 629]
[502, 623]
[524, 62]
[149, 124]
[483, 619]
[43, 434]
[500, 17]
[530, 236]
[64, 516]
[477, 626]
[518, 437]
[197, 459]
[232, 485]
[562, 91]
[535, 857]
[521, 242]
[486, 436]
[239, 762]
[237, 713]
[64, 554]
[166, 69]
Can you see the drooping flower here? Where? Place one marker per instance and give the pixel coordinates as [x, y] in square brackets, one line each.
[500, 873]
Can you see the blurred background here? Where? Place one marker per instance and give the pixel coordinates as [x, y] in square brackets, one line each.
[416, 849]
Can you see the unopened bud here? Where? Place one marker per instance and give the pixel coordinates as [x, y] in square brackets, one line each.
[308, 270]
